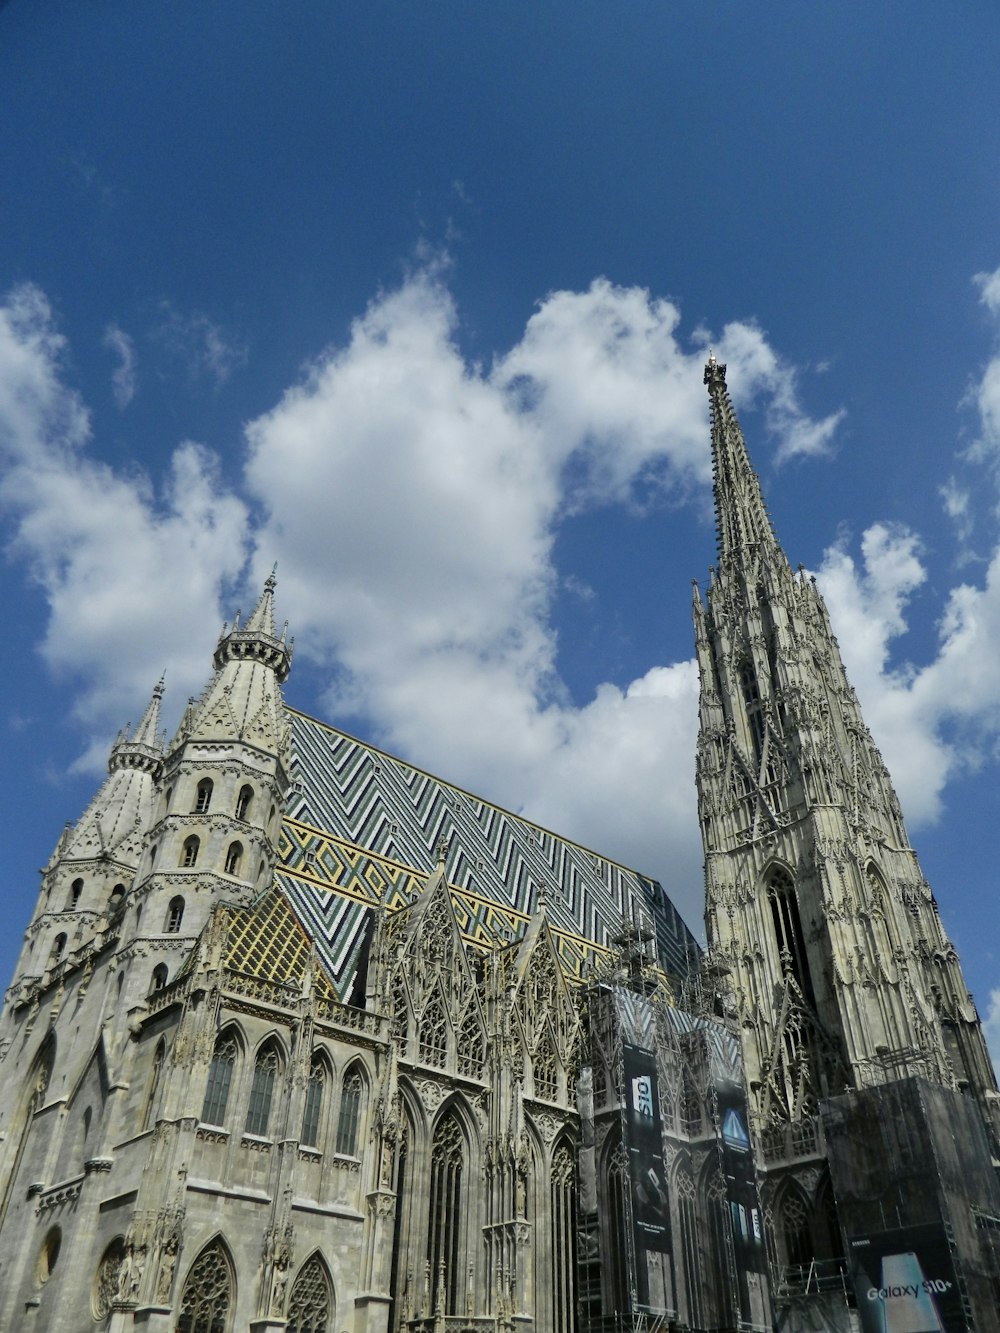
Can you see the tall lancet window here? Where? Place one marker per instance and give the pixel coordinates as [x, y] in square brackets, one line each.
[788, 931]
[753, 706]
[444, 1232]
[563, 1213]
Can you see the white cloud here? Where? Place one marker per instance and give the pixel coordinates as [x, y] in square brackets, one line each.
[412, 500]
[123, 376]
[126, 571]
[991, 1027]
[986, 395]
[201, 345]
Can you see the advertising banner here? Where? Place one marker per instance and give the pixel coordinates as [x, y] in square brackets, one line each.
[904, 1281]
[644, 1146]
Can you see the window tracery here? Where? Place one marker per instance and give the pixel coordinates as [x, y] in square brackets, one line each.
[314, 1103]
[349, 1118]
[433, 1035]
[544, 1069]
[470, 1045]
[444, 1231]
[310, 1302]
[265, 1071]
[220, 1074]
[106, 1278]
[563, 1224]
[208, 1293]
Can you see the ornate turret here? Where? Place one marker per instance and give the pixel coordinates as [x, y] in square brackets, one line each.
[95, 860]
[256, 640]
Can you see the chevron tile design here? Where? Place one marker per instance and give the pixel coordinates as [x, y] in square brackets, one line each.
[362, 827]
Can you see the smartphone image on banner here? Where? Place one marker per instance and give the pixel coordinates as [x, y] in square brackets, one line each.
[907, 1307]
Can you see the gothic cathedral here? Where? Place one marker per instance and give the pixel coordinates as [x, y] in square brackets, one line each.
[303, 1038]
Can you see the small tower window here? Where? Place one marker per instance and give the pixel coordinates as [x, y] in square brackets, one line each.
[233, 858]
[244, 802]
[116, 899]
[175, 915]
[189, 854]
[58, 945]
[159, 977]
[75, 889]
[203, 796]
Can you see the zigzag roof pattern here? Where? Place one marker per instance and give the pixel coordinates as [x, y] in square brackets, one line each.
[362, 827]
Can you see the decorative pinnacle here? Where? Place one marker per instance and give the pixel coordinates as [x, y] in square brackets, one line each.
[256, 640]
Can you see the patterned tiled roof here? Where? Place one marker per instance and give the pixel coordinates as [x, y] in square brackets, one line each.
[363, 827]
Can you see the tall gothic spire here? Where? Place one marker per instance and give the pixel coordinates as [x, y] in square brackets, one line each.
[740, 515]
[840, 969]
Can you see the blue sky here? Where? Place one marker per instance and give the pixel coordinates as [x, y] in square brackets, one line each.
[414, 300]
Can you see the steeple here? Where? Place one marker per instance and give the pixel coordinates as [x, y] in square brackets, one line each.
[807, 860]
[741, 519]
[837, 968]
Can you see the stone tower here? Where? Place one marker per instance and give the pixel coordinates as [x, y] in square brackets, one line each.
[822, 929]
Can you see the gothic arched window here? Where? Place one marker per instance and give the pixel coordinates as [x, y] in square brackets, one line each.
[690, 1250]
[752, 704]
[175, 915]
[207, 1298]
[58, 945]
[75, 889]
[159, 1055]
[788, 930]
[543, 1066]
[220, 1076]
[203, 796]
[159, 978]
[265, 1072]
[234, 856]
[796, 1233]
[563, 1229]
[444, 1231]
[314, 1103]
[617, 1277]
[351, 1095]
[470, 1044]
[106, 1278]
[189, 852]
[311, 1300]
[243, 803]
[433, 1033]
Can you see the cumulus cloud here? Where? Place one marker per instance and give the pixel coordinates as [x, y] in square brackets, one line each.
[123, 376]
[991, 1027]
[412, 500]
[126, 566]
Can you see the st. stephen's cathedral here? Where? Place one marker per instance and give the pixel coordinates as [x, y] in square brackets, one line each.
[303, 1038]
